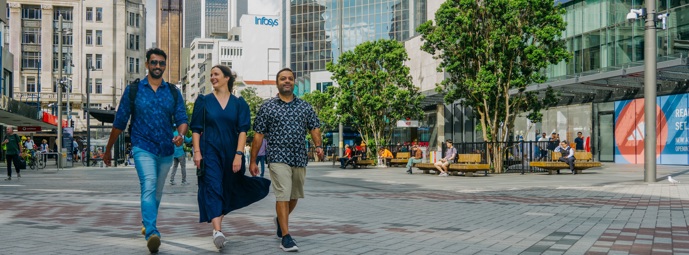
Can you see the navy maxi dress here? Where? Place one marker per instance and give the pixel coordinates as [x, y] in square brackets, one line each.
[220, 189]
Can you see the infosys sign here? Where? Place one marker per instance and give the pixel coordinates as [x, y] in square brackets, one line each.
[265, 21]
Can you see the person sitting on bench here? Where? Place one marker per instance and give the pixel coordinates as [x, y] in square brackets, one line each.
[385, 156]
[347, 156]
[567, 155]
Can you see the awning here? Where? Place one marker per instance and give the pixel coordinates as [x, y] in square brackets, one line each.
[618, 83]
[106, 116]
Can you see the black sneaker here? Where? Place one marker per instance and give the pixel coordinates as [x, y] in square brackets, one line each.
[409, 171]
[288, 244]
[277, 225]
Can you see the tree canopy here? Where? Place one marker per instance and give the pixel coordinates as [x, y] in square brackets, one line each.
[255, 102]
[324, 105]
[375, 89]
[488, 48]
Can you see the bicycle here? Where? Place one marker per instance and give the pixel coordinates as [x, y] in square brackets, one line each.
[40, 162]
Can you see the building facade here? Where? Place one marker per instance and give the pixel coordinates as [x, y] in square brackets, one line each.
[252, 52]
[318, 31]
[600, 88]
[107, 36]
[211, 18]
[169, 37]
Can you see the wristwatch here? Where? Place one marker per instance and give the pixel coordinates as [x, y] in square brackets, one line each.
[240, 153]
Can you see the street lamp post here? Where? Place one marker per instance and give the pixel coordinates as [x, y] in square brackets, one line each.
[88, 113]
[650, 93]
[59, 92]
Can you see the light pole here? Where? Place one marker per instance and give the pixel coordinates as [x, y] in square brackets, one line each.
[58, 141]
[650, 93]
[88, 113]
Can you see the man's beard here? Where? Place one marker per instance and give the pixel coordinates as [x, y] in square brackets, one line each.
[152, 73]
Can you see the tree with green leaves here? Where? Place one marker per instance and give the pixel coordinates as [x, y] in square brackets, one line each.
[375, 89]
[324, 105]
[489, 49]
[255, 102]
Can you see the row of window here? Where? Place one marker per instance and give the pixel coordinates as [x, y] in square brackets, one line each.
[231, 51]
[32, 35]
[32, 85]
[35, 13]
[134, 41]
[99, 14]
[99, 37]
[99, 61]
[134, 19]
[134, 65]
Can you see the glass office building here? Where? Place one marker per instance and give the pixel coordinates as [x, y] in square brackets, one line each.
[601, 88]
[318, 31]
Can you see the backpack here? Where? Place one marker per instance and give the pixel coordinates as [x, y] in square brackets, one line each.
[134, 89]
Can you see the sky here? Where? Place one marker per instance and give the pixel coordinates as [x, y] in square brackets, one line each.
[265, 7]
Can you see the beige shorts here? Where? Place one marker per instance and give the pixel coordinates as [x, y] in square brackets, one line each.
[288, 182]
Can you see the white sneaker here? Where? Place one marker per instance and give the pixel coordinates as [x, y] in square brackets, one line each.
[218, 239]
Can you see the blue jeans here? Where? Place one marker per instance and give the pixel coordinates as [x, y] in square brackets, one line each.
[412, 161]
[262, 160]
[152, 171]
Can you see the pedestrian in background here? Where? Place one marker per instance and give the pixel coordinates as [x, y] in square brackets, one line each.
[154, 108]
[179, 159]
[13, 150]
[261, 158]
[219, 125]
[283, 121]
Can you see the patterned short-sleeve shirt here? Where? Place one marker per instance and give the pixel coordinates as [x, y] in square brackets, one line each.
[285, 126]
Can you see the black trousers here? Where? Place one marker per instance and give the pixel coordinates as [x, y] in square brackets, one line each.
[12, 159]
[569, 161]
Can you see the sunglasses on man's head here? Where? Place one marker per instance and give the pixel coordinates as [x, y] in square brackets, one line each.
[156, 62]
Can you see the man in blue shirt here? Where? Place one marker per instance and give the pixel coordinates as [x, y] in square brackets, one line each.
[152, 139]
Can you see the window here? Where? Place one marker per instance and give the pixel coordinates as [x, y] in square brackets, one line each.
[137, 42]
[131, 18]
[31, 59]
[99, 86]
[31, 12]
[227, 63]
[66, 39]
[31, 84]
[31, 35]
[64, 11]
[201, 56]
[89, 60]
[138, 67]
[99, 14]
[89, 86]
[99, 37]
[137, 20]
[131, 42]
[131, 65]
[89, 13]
[89, 37]
[99, 61]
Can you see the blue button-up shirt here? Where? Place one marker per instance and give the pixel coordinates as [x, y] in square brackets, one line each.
[152, 120]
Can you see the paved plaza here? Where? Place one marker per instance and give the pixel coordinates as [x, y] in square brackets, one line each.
[609, 210]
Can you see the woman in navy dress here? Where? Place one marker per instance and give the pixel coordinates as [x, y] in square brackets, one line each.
[219, 125]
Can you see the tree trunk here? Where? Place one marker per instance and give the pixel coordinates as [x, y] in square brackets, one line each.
[497, 158]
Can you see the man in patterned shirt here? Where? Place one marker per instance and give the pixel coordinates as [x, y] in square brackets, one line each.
[152, 139]
[283, 121]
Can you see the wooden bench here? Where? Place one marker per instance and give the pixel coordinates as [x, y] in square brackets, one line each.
[365, 162]
[401, 159]
[467, 163]
[584, 160]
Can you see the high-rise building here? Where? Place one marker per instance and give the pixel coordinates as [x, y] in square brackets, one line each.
[169, 36]
[211, 18]
[317, 32]
[88, 30]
